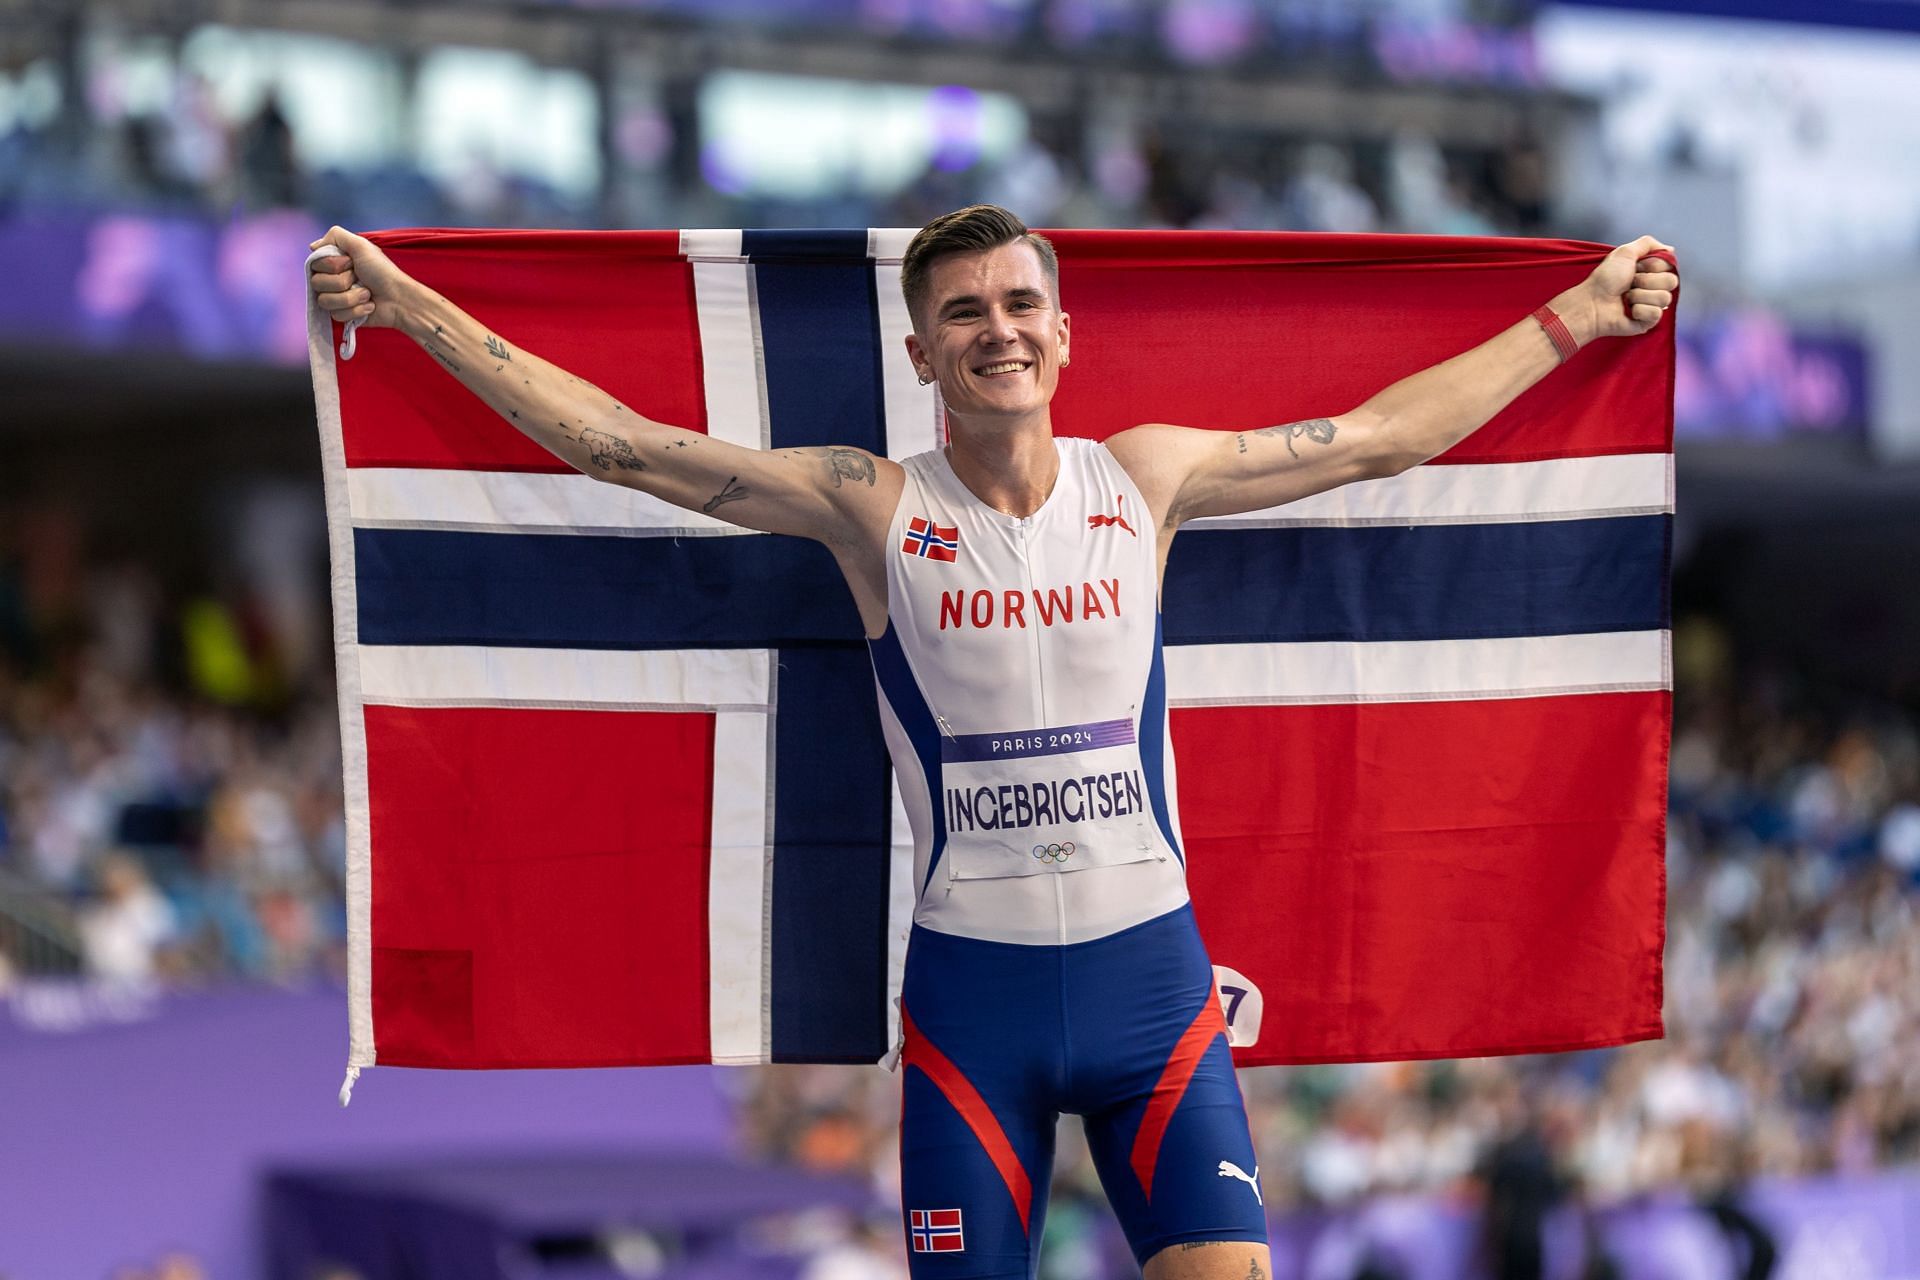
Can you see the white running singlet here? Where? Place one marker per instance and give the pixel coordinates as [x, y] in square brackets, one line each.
[1023, 697]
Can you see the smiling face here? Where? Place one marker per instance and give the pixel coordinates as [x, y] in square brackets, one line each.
[992, 333]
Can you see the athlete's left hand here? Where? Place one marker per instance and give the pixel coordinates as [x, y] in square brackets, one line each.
[1627, 293]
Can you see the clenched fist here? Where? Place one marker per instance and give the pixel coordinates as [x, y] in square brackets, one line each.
[1626, 295]
[361, 283]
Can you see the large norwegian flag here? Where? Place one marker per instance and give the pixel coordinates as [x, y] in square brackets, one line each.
[616, 787]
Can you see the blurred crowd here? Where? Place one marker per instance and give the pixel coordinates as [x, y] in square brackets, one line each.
[1792, 1010]
[1166, 179]
[189, 153]
[170, 808]
[114, 141]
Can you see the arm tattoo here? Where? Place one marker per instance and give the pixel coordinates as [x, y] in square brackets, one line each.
[849, 464]
[609, 451]
[1319, 430]
[1240, 440]
[437, 354]
[733, 492]
[497, 348]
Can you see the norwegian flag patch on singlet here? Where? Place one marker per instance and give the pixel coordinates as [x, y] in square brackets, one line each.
[931, 541]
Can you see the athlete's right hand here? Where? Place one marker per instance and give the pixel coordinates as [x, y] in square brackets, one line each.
[361, 283]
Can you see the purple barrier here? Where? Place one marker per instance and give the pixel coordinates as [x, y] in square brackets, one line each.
[133, 1124]
[1746, 375]
[1858, 1228]
[487, 1219]
[138, 1124]
[158, 282]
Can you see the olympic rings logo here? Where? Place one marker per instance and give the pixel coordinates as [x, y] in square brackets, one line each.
[1053, 852]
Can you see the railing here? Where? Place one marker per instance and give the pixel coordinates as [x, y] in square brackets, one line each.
[37, 933]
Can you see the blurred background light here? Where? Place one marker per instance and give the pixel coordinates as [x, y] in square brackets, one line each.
[482, 115]
[801, 138]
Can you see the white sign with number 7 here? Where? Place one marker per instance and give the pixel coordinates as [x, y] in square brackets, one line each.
[1240, 1002]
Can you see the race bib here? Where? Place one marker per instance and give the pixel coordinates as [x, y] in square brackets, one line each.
[1045, 800]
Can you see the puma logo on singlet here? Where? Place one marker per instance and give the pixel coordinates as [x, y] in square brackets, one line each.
[1228, 1169]
[1096, 522]
[1009, 608]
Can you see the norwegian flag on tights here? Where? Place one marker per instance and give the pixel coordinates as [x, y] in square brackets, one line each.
[936, 1231]
[616, 787]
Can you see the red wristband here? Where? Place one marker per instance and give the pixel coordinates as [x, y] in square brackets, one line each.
[1557, 330]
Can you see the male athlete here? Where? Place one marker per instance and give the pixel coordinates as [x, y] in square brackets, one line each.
[1053, 965]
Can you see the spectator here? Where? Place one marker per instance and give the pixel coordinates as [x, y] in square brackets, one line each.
[125, 929]
[1522, 1184]
[1322, 195]
[269, 167]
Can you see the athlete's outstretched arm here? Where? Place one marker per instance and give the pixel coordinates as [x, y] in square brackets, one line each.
[810, 492]
[1186, 473]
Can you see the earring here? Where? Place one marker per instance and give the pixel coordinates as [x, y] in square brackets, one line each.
[924, 379]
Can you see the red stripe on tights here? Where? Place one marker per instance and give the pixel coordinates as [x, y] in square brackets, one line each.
[1172, 1087]
[973, 1109]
